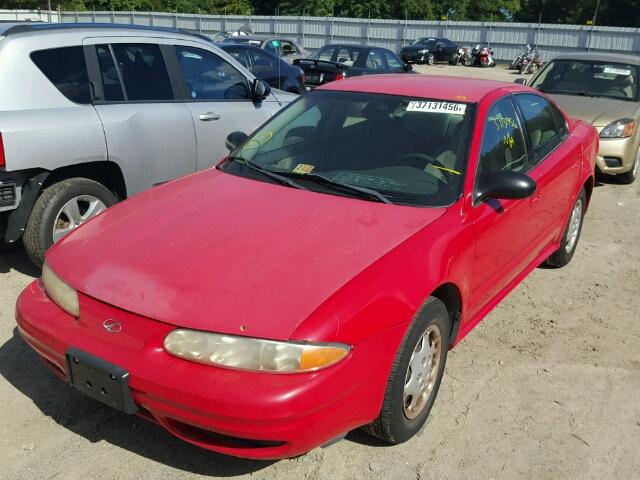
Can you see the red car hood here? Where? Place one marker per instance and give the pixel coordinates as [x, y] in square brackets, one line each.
[215, 251]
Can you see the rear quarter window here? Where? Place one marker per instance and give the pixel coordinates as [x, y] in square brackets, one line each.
[66, 69]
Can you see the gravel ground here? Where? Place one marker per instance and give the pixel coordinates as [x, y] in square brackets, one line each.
[546, 387]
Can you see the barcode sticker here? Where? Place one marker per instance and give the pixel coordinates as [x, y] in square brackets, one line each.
[617, 71]
[438, 107]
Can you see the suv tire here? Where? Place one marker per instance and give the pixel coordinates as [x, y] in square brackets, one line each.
[48, 210]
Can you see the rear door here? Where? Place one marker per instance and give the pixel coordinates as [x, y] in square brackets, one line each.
[218, 96]
[149, 132]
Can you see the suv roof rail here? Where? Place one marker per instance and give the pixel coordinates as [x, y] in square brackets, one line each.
[37, 27]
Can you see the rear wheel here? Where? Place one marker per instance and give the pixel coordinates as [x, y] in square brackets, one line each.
[564, 254]
[415, 375]
[630, 176]
[60, 208]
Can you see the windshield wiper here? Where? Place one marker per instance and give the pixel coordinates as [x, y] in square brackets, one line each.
[369, 192]
[581, 93]
[267, 173]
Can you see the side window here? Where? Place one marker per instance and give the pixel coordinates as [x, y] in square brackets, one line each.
[393, 61]
[347, 57]
[288, 48]
[241, 55]
[66, 69]
[143, 72]
[109, 74]
[263, 61]
[273, 46]
[375, 60]
[208, 77]
[326, 54]
[503, 145]
[541, 124]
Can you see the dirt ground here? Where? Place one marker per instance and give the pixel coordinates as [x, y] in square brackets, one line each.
[547, 387]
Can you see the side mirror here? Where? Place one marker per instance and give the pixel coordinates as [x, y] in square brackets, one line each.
[260, 90]
[408, 67]
[520, 81]
[234, 140]
[503, 185]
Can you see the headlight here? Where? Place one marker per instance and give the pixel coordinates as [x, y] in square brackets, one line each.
[424, 50]
[246, 353]
[619, 129]
[62, 294]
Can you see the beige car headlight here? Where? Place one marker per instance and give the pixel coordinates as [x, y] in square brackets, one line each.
[245, 353]
[619, 129]
[62, 294]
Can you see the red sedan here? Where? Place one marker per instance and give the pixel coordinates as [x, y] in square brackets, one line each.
[313, 282]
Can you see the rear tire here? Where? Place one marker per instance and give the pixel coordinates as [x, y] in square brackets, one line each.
[39, 232]
[424, 347]
[572, 231]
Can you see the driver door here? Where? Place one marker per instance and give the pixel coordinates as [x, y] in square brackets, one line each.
[218, 96]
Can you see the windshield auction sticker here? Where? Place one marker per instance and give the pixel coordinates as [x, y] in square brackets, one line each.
[617, 71]
[436, 107]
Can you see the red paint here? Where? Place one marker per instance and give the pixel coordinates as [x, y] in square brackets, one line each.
[214, 251]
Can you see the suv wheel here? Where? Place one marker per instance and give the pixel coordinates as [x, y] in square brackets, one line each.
[60, 208]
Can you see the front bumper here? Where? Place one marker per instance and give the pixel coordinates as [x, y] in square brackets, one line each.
[414, 57]
[247, 414]
[617, 155]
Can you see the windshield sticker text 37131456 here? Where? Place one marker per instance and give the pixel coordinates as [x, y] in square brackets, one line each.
[436, 107]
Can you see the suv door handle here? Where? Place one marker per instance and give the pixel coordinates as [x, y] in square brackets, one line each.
[207, 117]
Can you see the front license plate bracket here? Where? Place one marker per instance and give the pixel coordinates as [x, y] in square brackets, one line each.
[99, 379]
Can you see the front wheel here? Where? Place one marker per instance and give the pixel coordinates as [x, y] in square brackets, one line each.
[569, 241]
[415, 375]
[430, 59]
[630, 176]
[60, 208]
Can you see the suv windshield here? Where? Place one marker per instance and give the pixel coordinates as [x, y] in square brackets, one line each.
[390, 148]
[589, 78]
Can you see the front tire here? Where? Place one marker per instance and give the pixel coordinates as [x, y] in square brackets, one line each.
[629, 177]
[430, 59]
[415, 375]
[569, 242]
[60, 208]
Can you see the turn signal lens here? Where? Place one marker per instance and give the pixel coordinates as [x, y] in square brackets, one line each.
[59, 292]
[243, 353]
[340, 76]
[623, 128]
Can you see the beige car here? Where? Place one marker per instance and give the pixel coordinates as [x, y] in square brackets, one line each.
[601, 88]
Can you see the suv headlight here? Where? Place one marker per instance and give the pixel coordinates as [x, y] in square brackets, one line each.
[619, 129]
[59, 292]
[245, 353]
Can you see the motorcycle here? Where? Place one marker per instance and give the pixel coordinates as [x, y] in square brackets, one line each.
[461, 55]
[482, 57]
[524, 52]
[532, 62]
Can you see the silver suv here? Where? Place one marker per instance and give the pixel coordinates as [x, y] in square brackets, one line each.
[92, 114]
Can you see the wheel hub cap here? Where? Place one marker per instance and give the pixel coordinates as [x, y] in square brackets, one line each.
[76, 212]
[422, 372]
[574, 226]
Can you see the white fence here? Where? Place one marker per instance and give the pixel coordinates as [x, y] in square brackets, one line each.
[313, 32]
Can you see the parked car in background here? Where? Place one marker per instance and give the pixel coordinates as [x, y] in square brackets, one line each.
[223, 34]
[600, 88]
[268, 67]
[338, 61]
[282, 47]
[92, 114]
[314, 281]
[429, 50]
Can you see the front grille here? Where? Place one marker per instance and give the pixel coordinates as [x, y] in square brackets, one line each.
[7, 194]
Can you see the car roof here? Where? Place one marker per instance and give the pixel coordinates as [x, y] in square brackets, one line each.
[601, 57]
[348, 45]
[35, 28]
[424, 86]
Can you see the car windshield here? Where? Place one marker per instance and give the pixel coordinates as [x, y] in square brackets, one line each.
[341, 54]
[397, 149]
[423, 41]
[589, 78]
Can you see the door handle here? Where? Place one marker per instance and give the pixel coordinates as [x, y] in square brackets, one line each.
[207, 117]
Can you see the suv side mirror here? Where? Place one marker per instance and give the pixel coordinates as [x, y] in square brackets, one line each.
[234, 140]
[408, 67]
[503, 185]
[520, 81]
[260, 90]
